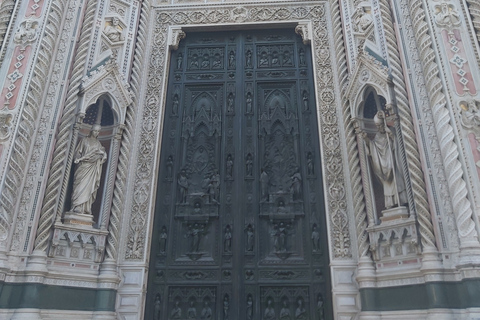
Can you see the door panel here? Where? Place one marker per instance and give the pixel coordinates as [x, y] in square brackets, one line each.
[239, 229]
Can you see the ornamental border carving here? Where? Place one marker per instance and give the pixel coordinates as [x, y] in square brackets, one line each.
[334, 175]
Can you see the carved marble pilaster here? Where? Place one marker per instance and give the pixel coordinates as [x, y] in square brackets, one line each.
[469, 245]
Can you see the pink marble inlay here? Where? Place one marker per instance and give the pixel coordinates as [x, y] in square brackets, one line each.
[15, 74]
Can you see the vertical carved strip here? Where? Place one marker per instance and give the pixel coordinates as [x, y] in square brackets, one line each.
[7, 16]
[29, 114]
[411, 160]
[474, 9]
[444, 130]
[62, 157]
[352, 149]
[127, 138]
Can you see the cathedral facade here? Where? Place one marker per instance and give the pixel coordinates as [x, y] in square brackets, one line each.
[221, 159]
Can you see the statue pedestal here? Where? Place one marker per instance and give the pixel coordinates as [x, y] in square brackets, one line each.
[394, 213]
[78, 219]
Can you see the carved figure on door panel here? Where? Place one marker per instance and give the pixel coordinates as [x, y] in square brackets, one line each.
[206, 311]
[263, 59]
[320, 308]
[206, 61]
[179, 61]
[163, 240]
[229, 166]
[194, 62]
[183, 186]
[287, 59]
[296, 185]
[306, 105]
[269, 313]
[300, 312]
[176, 312]
[169, 167]
[226, 306]
[315, 238]
[310, 165]
[250, 237]
[227, 239]
[301, 57]
[195, 233]
[230, 103]
[285, 311]
[175, 104]
[249, 165]
[248, 62]
[249, 102]
[231, 60]
[157, 309]
[249, 307]
[217, 62]
[192, 311]
[264, 184]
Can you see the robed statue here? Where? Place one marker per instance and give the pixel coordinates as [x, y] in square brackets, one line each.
[89, 158]
[383, 153]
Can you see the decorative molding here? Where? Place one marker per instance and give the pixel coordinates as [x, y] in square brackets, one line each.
[474, 9]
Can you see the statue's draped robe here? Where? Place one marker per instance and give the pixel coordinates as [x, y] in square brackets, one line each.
[382, 152]
[90, 156]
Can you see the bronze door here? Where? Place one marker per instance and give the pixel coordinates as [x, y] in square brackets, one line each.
[239, 227]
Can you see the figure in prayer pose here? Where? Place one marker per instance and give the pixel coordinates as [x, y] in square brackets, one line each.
[89, 158]
[382, 152]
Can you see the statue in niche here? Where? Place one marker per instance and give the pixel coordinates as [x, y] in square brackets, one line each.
[175, 105]
[319, 308]
[249, 165]
[113, 31]
[176, 312]
[264, 184]
[281, 207]
[183, 185]
[285, 311]
[287, 59]
[192, 311]
[179, 61]
[315, 238]
[217, 62]
[230, 103]
[264, 59]
[197, 208]
[363, 19]
[89, 158]
[194, 62]
[300, 312]
[195, 231]
[248, 60]
[383, 154]
[296, 185]
[206, 61]
[249, 102]
[310, 165]
[301, 57]
[163, 240]
[249, 307]
[275, 59]
[249, 274]
[269, 313]
[169, 167]
[231, 60]
[229, 166]
[306, 106]
[227, 239]
[226, 306]
[250, 237]
[157, 307]
[206, 311]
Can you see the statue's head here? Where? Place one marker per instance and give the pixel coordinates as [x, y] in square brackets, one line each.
[95, 130]
[379, 121]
